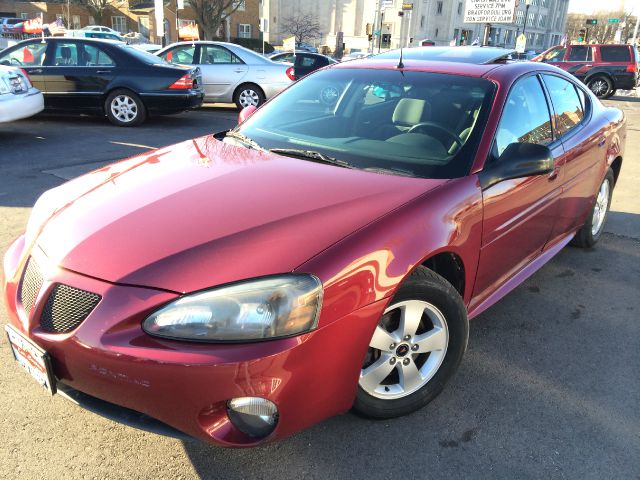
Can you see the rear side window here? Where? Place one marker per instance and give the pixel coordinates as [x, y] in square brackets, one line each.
[580, 53]
[212, 54]
[525, 117]
[615, 53]
[66, 55]
[566, 102]
[307, 62]
[94, 57]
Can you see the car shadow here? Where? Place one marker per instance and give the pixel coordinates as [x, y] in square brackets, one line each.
[549, 369]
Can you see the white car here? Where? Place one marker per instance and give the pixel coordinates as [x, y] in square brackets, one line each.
[100, 28]
[18, 98]
[231, 73]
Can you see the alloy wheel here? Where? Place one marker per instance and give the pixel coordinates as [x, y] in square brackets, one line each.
[406, 350]
[124, 108]
[600, 208]
[599, 87]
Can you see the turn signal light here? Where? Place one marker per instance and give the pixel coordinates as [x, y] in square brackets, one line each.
[290, 74]
[183, 83]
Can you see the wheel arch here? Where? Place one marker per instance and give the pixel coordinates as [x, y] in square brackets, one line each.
[450, 266]
[616, 166]
[113, 88]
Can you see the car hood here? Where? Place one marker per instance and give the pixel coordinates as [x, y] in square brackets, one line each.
[203, 213]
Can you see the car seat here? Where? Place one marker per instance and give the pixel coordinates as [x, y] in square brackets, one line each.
[65, 56]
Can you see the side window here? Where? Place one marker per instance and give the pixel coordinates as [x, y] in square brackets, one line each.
[30, 55]
[525, 117]
[93, 56]
[210, 54]
[580, 53]
[307, 62]
[66, 55]
[556, 55]
[286, 58]
[182, 54]
[615, 53]
[566, 103]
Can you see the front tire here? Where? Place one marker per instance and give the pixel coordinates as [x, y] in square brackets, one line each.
[124, 108]
[415, 348]
[592, 229]
[248, 94]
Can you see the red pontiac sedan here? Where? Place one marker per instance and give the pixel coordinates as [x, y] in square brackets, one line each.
[326, 254]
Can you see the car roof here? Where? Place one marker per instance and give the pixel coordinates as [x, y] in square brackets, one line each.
[463, 54]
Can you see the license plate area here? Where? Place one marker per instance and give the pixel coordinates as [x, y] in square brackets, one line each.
[16, 85]
[32, 358]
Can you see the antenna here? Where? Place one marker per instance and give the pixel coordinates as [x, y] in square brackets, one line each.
[400, 64]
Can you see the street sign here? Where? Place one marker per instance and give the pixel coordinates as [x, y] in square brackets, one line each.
[521, 43]
[487, 11]
[386, 4]
[614, 20]
[407, 6]
[180, 4]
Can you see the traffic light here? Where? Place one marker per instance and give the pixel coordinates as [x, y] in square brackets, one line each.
[592, 21]
[462, 38]
[370, 36]
[582, 35]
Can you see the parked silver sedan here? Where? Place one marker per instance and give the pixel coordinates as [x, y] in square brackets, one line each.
[230, 73]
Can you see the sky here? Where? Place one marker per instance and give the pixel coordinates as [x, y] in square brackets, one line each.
[589, 6]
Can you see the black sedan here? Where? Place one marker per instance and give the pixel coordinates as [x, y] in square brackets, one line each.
[304, 62]
[105, 78]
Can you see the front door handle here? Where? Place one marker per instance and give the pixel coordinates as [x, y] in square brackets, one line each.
[239, 71]
[554, 174]
[102, 72]
[34, 70]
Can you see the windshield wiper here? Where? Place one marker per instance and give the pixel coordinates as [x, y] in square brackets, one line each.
[312, 155]
[249, 142]
[391, 171]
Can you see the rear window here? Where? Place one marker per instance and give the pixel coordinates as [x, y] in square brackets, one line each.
[615, 53]
[580, 54]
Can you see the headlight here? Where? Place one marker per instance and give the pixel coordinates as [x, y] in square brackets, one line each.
[259, 309]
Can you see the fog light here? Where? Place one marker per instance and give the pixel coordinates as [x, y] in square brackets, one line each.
[253, 416]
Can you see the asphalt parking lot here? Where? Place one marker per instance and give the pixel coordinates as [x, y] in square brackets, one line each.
[549, 388]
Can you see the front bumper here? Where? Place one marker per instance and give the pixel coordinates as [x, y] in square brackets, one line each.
[186, 385]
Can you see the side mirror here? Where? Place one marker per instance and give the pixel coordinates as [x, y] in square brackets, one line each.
[517, 161]
[245, 113]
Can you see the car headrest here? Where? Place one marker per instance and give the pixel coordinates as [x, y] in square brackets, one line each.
[410, 111]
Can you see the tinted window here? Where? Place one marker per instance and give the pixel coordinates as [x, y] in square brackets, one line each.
[210, 54]
[66, 55]
[27, 55]
[416, 123]
[614, 53]
[580, 54]
[93, 56]
[566, 103]
[555, 55]
[307, 62]
[525, 117]
[182, 55]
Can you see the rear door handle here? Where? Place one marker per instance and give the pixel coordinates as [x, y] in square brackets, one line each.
[103, 71]
[239, 71]
[35, 70]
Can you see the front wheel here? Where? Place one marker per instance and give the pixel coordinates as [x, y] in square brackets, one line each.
[415, 348]
[248, 95]
[592, 229]
[124, 108]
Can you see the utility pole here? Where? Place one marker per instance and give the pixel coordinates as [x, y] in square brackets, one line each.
[635, 30]
[374, 25]
[380, 36]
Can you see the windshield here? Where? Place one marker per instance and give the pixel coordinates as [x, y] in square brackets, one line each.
[413, 123]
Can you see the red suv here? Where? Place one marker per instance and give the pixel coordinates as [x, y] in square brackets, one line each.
[603, 68]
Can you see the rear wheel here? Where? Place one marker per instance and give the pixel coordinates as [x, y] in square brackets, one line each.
[248, 94]
[592, 229]
[601, 86]
[124, 108]
[415, 348]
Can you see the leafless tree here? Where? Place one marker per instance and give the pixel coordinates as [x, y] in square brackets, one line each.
[303, 27]
[211, 13]
[96, 8]
[604, 31]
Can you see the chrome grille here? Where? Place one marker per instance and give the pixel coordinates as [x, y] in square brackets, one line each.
[30, 285]
[66, 308]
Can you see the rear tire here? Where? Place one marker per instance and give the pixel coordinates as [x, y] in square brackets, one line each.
[124, 108]
[600, 85]
[592, 229]
[248, 94]
[415, 348]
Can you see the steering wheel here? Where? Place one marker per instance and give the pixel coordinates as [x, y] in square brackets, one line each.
[16, 61]
[437, 126]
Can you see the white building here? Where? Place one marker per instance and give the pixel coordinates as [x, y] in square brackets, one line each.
[437, 20]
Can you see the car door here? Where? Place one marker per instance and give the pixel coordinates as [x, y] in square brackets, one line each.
[518, 214]
[585, 147]
[579, 61]
[77, 74]
[222, 71]
[30, 57]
